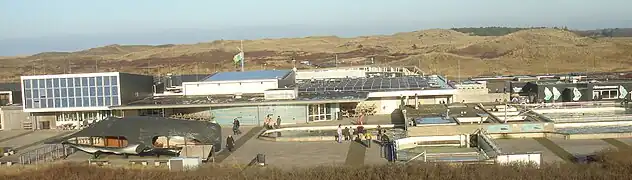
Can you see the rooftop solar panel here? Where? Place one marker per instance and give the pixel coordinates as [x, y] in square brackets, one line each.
[366, 84]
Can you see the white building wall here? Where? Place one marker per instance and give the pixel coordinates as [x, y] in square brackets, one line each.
[330, 74]
[228, 87]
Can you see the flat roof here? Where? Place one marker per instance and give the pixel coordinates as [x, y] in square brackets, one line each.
[71, 75]
[249, 75]
[372, 84]
[10, 87]
[246, 100]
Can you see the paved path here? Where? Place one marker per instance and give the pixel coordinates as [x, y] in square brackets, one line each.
[255, 131]
[618, 144]
[356, 154]
[8, 135]
[556, 149]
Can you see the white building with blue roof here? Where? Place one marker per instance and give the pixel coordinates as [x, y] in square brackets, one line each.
[238, 83]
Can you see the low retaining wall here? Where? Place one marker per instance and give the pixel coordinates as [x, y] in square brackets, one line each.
[299, 139]
[411, 142]
[325, 128]
[592, 124]
[598, 136]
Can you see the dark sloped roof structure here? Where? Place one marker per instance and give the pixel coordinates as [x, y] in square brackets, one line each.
[142, 129]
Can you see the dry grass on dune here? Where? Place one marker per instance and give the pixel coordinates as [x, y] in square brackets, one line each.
[609, 165]
[523, 52]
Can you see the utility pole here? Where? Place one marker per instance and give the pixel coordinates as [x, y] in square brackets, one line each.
[336, 59]
[96, 65]
[69, 67]
[243, 58]
[459, 69]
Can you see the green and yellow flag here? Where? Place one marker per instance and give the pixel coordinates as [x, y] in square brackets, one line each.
[238, 57]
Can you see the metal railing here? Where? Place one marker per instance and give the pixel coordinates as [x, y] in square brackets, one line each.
[47, 153]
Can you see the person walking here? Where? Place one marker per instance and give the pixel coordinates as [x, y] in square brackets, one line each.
[278, 122]
[236, 127]
[379, 132]
[368, 138]
[339, 131]
[345, 133]
[230, 143]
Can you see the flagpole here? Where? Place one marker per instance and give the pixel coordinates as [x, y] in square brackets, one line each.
[243, 58]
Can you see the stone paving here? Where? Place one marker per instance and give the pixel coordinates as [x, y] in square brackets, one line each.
[291, 154]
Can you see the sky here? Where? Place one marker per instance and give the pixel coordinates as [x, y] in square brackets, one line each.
[32, 26]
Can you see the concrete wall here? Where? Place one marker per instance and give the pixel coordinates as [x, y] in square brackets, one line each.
[382, 105]
[134, 87]
[478, 96]
[329, 74]
[288, 80]
[412, 142]
[44, 117]
[471, 128]
[231, 87]
[12, 118]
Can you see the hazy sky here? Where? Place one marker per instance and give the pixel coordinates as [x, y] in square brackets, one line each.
[30, 20]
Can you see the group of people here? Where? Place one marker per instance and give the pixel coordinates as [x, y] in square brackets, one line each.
[268, 124]
[271, 124]
[360, 134]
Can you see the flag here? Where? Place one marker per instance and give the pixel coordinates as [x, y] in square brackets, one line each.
[238, 57]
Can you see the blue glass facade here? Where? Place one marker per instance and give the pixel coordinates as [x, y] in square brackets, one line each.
[71, 92]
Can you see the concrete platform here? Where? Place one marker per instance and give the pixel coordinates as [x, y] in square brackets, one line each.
[527, 145]
[31, 138]
[582, 147]
[11, 133]
[292, 154]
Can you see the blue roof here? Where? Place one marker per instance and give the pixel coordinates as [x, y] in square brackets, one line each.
[249, 75]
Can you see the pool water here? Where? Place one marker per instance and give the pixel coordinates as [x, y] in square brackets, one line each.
[595, 129]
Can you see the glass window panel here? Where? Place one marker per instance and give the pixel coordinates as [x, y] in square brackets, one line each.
[86, 101]
[36, 93]
[77, 82]
[100, 101]
[57, 102]
[114, 90]
[29, 103]
[93, 101]
[78, 102]
[64, 92]
[42, 103]
[84, 81]
[50, 103]
[71, 102]
[108, 101]
[93, 91]
[57, 93]
[49, 83]
[106, 91]
[27, 83]
[106, 80]
[77, 92]
[70, 82]
[27, 94]
[34, 83]
[62, 82]
[113, 80]
[99, 80]
[84, 91]
[56, 82]
[99, 91]
[42, 83]
[115, 101]
[71, 92]
[64, 102]
[49, 93]
[91, 81]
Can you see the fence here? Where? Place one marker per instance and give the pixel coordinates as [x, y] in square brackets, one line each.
[47, 153]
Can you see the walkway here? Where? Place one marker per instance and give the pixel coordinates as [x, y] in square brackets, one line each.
[618, 144]
[356, 154]
[255, 131]
[556, 149]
